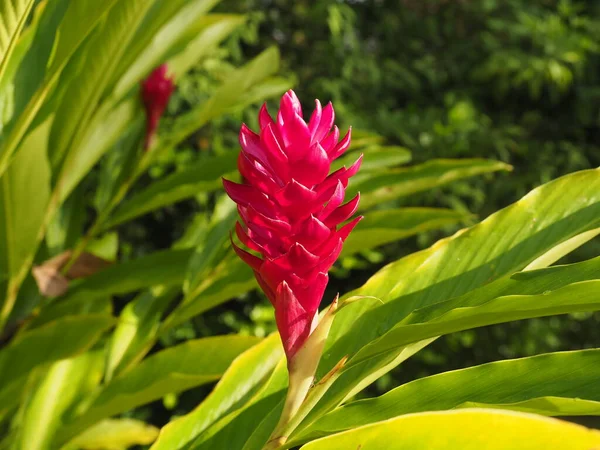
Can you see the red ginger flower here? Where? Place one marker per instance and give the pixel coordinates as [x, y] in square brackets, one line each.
[291, 208]
[156, 91]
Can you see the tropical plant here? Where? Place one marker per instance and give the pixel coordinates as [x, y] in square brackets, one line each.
[496, 271]
[513, 80]
[82, 86]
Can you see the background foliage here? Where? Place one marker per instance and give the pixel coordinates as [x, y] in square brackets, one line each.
[513, 81]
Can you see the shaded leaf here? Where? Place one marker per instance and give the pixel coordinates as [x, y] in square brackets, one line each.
[165, 267]
[22, 212]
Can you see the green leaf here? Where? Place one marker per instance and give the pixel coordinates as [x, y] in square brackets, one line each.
[172, 370]
[166, 24]
[254, 417]
[137, 330]
[546, 406]
[56, 340]
[562, 249]
[499, 246]
[160, 268]
[237, 386]
[364, 138]
[524, 383]
[375, 158]
[524, 295]
[58, 389]
[469, 429]
[79, 21]
[201, 177]
[212, 275]
[100, 136]
[14, 15]
[228, 280]
[211, 250]
[34, 81]
[91, 73]
[80, 305]
[32, 68]
[260, 92]
[114, 434]
[118, 164]
[385, 226]
[67, 224]
[214, 28]
[381, 186]
[228, 95]
[11, 395]
[22, 205]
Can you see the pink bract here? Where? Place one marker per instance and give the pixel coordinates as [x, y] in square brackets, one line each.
[156, 91]
[292, 210]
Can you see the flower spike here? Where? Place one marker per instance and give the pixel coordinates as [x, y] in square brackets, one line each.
[292, 210]
[156, 92]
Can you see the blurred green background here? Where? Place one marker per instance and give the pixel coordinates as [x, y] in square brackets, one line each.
[512, 80]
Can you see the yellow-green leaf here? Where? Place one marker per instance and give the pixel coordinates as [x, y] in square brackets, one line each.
[114, 434]
[469, 429]
[551, 384]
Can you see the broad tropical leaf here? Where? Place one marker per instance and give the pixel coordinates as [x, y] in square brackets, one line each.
[469, 429]
[550, 384]
[228, 279]
[166, 24]
[138, 327]
[375, 157]
[22, 213]
[228, 94]
[545, 292]
[93, 68]
[100, 136]
[214, 29]
[552, 214]
[71, 23]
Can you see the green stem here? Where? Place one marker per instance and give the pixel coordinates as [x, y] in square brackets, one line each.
[302, 367]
